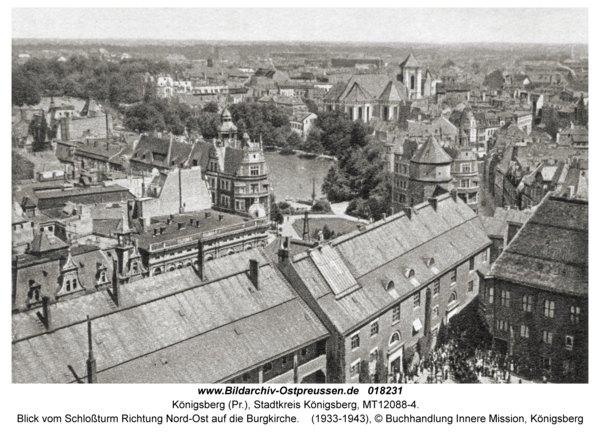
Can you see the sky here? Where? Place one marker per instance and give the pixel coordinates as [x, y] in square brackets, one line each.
[425, 25]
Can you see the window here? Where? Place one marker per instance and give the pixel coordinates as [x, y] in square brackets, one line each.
[74, 284]
[465, 168]
[505, 298]
[303, 351]
[547, 337]
[68, 286]
[470, 287]
[436, 311]
[135, 267]
[524, 331]
[284, 360]
[417, 300]
[501, 325]
[567, 366]
[355, 342]
[549, 309]
[374, 328]
[471, 263]
[546, 363]
[268, 367]
[452, 298]
[390, 286]
[396, 313]
[436, 287]
[246, 377]
[254, 170]
[575, 313]
[373, 355]
[453, 276]
[569, 342]
[464, 183]
[395, 338]
[355, 368]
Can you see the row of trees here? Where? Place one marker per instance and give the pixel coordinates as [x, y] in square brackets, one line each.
[80, 77]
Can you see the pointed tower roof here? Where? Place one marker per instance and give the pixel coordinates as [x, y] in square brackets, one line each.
[227, 124]
[69, 264]
[431, 153]
[410, 62]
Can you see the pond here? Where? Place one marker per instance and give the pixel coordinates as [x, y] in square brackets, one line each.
[291, 176]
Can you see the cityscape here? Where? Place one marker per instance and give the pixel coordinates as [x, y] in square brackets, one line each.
[255, 209]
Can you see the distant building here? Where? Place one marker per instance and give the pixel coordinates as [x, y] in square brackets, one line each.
[536, 293]
[302, 123]
[465, 172]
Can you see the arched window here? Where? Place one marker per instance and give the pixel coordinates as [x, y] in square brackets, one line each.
[452, 297]
[135, 266]
[68, 286]
[171, 268]
[395, 338]
[74, 284]
[412, 82]
[157, 271]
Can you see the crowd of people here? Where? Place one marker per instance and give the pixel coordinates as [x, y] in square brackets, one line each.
[463, 359]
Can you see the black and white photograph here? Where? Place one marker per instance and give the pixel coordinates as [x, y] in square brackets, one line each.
[244, 196]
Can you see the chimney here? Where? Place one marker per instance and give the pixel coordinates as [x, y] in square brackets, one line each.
[92, 376]
[433, 202]
[115, 284]
[254, 273]
[384, 216]
[44, 316]
[170, 220]
[180, 226]
[284, 250]
[571, 191]
[408, 212]
[197, 223]
[162, 230]
[453, 195]
[155, 231]
[201, 260]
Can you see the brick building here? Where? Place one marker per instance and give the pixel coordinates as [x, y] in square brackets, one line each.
[536, 293]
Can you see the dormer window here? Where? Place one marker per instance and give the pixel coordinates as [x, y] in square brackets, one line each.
[430, 262]
[34, 291]
[390, 286]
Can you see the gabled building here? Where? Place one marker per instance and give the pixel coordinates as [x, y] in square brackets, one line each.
[233, 320]
[385, 290]
[536, 294]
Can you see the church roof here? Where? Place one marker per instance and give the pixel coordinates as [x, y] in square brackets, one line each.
[392, 92]
[431, 153]
[410, 62]
[357, 94]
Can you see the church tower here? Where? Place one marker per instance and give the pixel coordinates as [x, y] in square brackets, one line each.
[411, 74]
[227, 131]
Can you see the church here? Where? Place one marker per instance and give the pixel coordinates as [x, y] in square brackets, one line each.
[379, 95]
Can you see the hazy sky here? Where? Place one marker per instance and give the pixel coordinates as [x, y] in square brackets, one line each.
[540, 25]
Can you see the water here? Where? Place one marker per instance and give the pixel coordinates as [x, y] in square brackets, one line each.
[292, 176]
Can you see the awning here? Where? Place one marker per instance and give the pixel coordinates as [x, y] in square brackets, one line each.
[417, 325]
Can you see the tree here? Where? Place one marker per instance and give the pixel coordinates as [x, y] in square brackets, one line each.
[25, 91]
[293, 141]
[276, 215]
[313, 143]
[144, 118]
[312, 105]
[211, 107]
